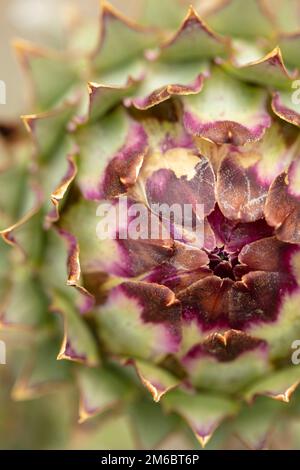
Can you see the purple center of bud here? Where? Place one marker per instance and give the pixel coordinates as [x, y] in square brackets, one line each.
[222, 263]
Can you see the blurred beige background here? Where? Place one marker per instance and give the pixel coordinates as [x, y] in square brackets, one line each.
[43, 22]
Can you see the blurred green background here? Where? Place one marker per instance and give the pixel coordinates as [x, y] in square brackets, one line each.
[44, 22]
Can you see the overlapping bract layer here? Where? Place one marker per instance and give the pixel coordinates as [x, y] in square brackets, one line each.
[197, 118]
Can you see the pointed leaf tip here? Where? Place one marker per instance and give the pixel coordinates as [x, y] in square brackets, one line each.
[202, 412]
[194, 40]
[279, 385]
[269, 70]
[118, 29]
[157, 380]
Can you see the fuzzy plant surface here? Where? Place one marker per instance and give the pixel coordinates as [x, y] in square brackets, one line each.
[177, 341]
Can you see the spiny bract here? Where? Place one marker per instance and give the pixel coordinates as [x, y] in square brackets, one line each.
[209, 115]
